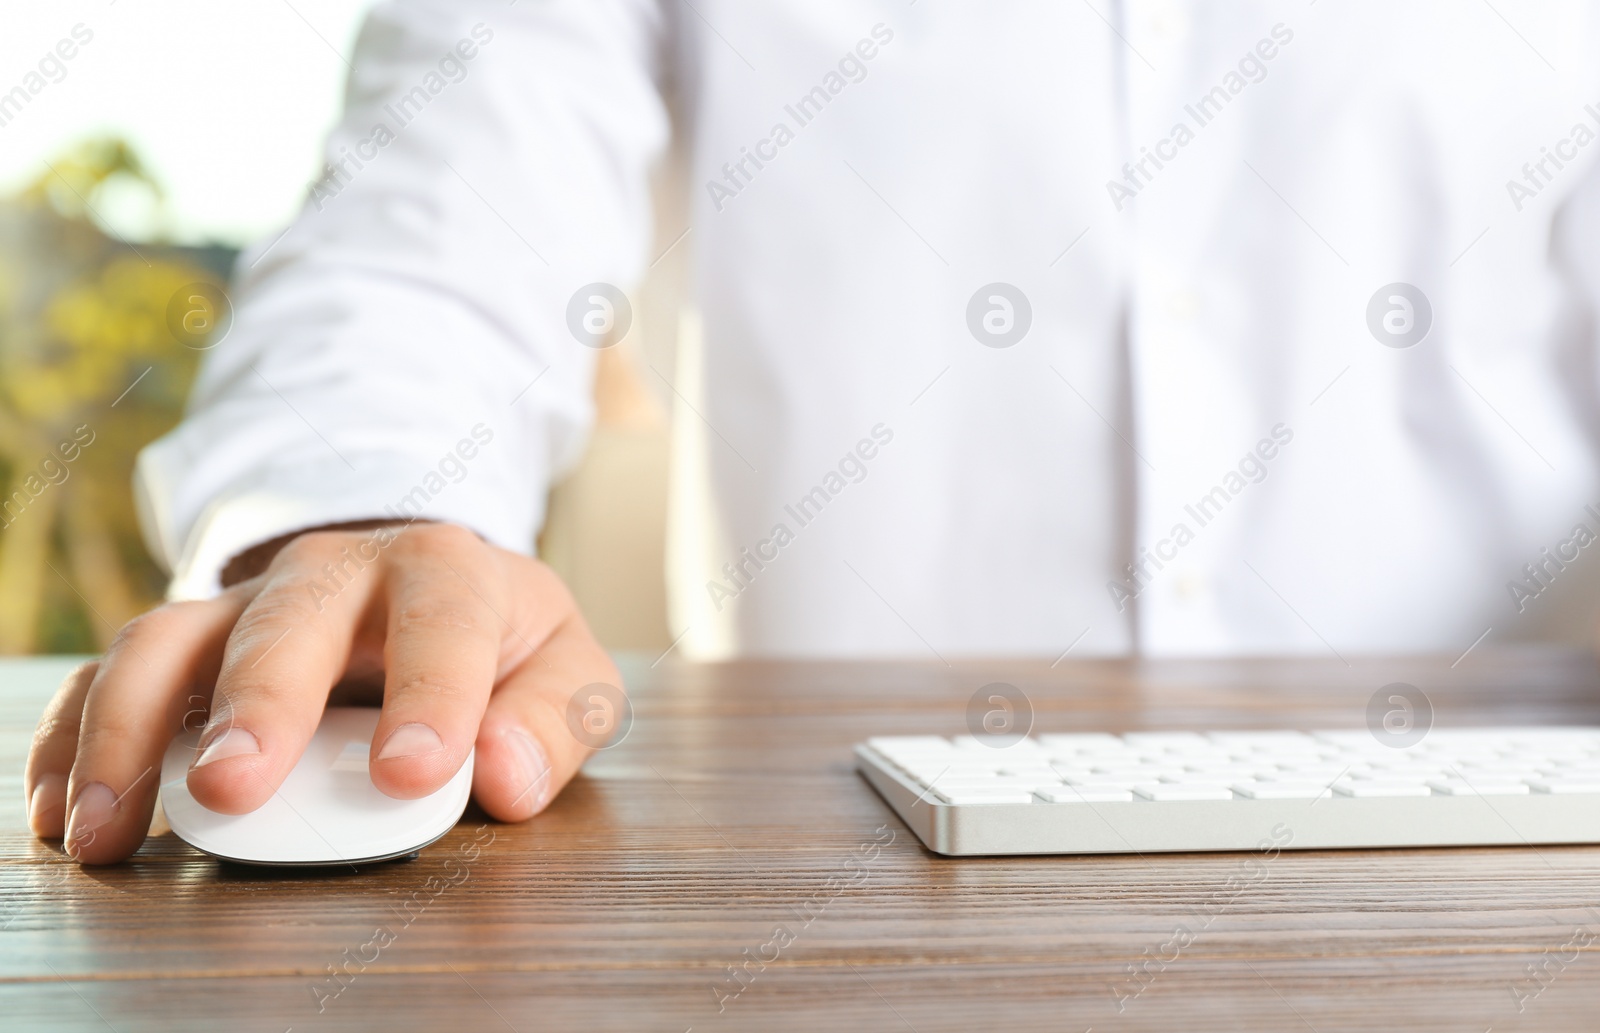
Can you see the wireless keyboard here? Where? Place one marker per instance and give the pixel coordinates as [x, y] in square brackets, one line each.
[1148, 792]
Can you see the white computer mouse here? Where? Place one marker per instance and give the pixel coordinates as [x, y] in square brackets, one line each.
[326, 812]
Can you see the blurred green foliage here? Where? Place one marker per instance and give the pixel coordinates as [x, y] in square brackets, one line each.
[86, 350]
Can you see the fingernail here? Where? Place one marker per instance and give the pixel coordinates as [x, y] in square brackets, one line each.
[410, 740]
[96, 805]
[535, 767]
[49, 796]
[235, 742]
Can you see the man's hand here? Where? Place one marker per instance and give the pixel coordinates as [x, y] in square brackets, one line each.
[471, 645]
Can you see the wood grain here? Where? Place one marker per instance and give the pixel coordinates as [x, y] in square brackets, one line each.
[733, 803]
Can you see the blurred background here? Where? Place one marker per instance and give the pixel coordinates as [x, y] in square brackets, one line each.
[131, 173]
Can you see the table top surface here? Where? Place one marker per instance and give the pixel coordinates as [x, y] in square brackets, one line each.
[726, 832]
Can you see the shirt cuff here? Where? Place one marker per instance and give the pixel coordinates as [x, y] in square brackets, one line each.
[283, 501]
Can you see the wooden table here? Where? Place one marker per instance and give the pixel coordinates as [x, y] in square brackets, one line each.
[734, 802]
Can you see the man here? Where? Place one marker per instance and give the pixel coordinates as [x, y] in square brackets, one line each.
[1029, 326]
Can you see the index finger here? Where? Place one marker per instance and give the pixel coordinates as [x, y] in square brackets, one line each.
[288, 649]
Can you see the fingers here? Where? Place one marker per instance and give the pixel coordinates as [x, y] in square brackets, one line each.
[526, 749]
[288, 648]
[479, 647]
[441, 656]
[134, 703]
[55, 743]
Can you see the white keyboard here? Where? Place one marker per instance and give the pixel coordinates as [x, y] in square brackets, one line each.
[1144, 792]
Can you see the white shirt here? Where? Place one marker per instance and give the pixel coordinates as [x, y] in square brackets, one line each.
[1197, 204]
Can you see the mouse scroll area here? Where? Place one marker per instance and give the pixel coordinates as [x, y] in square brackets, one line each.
[326, 812]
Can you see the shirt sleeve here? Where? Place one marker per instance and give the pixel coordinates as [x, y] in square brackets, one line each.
[403, 348]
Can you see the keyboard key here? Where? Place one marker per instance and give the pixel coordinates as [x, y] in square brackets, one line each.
[1475, 787]
[1141, 773]
[1400, 774]
[1225, 772]
[1282, 790]
[993, 783]
[963, 797]
[1166, 740]
[887, 743]
[1372, 789]
[1102, 782]
[1081, 741]
[1564, 786]
[1086, 794]
[1348, 739]
[972, 767]
[1117, 778]
[1318, 774]
[1181, 791]
[1532, 734]
[904, 758]
[1065, 773]
[930, 778]
[999, 744]
[1262, 740]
